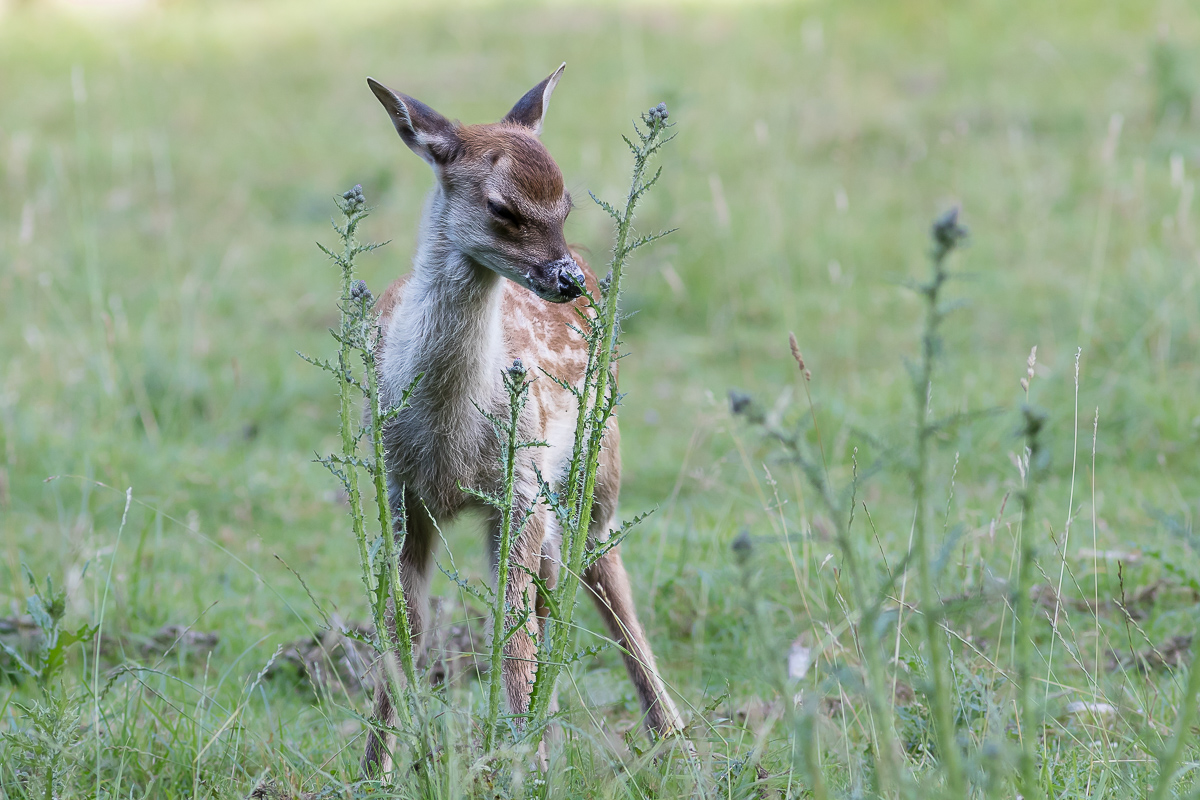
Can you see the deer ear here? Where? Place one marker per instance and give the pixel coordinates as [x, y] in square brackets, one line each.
[426, 132]
[530, 110]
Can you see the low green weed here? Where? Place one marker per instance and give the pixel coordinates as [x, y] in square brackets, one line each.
[964, 733]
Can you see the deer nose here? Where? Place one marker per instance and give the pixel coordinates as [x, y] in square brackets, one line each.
[570, 279]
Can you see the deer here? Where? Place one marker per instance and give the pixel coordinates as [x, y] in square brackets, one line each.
[493, 281]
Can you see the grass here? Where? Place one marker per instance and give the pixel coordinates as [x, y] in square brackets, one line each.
[165, 175]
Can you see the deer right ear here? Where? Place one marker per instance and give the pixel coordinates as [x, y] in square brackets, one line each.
[530, 110]
[426, 132]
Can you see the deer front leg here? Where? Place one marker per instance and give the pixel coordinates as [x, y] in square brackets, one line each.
[521, 621]
[414, 557]
[609, 586]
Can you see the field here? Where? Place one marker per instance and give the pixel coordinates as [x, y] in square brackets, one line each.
[166, 172]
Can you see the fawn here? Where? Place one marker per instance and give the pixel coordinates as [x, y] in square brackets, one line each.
[496, 211]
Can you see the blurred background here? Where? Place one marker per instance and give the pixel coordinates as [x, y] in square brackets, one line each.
[166, 168]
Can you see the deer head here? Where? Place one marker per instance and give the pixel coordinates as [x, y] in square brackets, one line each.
[504, 201]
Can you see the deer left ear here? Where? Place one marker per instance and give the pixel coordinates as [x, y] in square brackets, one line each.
[530, 110]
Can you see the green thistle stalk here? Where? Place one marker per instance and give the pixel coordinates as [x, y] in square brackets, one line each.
[356, 335]
[393, 535]
[597, 399]
[946, 233]
[518, 392]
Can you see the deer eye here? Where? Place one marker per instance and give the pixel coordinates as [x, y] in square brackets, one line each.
[503, 213]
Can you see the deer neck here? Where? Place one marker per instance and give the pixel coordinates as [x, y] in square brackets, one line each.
[448, 329]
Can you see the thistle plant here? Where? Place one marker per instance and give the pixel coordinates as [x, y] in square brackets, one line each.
[358, 382]
[355, 371]
[47, 607]
[946, 234]
[813, 466]
[505, 618]
[597, 398]
[891, 774]
[40, 755]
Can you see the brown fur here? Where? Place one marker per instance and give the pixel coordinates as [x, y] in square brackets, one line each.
[534, 172]
[456, 322]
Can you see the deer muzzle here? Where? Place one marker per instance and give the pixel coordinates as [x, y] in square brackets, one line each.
[568, 279]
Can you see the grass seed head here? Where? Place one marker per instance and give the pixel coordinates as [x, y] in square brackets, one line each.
[796, 354]
[1029, 365]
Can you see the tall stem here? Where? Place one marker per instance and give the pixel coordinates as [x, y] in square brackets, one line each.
[348, 321]
[1027, 764]
[393, 534]
[357, 334]
[946, 234]
[514, 380]
[597, 403]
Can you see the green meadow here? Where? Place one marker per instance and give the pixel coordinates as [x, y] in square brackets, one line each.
[166, 171]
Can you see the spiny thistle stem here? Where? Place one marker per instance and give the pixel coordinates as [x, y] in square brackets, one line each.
[598, 399]
[392, 533]
[356, 335]
[353, 214]
[946, 233]
[517, 388]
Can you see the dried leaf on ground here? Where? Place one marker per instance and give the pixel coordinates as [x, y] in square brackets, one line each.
[18, 625]
[20, 632]
[1169, 655]
[270, 789]
[333, 658]
[341, 658]
[180, 637]
[1137, 604]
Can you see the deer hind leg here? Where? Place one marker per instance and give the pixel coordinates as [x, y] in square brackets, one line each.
[415, 557]
[609, 586]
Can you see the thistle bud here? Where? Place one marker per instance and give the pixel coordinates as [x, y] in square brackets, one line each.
[657, 114]
[354, 198]
[359, 291]
[742, 546]
[946, 232]
[739, 402]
